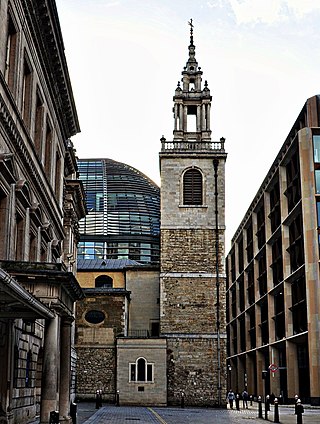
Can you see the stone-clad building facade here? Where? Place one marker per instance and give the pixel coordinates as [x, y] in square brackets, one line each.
[41, 202]
[273, 292]
[192, 275]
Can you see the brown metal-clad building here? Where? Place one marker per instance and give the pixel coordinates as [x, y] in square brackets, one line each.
[273, 289]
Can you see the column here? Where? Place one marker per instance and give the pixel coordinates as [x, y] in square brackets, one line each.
[203, 126]
[38, 256]
[50, 371]
[175, 116]
[26, 253]
[180, 117]
[292, 367]
[275, 376]
[185, 117]
[208, 116]
[198, 118]
[10, 242]
[65, 369]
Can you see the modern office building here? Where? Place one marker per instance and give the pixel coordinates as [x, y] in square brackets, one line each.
[273, 282]
[41, 202]
[123, 220]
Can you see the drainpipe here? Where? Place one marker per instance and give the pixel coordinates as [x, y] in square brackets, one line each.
[215, 166]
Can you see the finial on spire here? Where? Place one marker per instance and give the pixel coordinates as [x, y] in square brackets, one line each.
[191, 31]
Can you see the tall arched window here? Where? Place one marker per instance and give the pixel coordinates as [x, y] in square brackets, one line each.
[192, 187]
[104, 281]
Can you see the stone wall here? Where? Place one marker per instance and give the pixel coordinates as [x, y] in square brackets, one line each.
[95, 346]
[96, 370]
[193, 369]
[144, 306]
[191, 250]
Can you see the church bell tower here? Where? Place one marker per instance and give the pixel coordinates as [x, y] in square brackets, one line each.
[192, 274]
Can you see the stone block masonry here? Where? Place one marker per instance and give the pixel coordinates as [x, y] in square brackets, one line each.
[193, 369]
[191, 250]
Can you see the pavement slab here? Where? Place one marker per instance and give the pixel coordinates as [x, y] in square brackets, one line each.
[170, 415]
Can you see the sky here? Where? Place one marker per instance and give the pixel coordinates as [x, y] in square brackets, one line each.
[261, 59]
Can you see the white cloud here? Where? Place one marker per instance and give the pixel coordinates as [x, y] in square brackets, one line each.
[271, 11]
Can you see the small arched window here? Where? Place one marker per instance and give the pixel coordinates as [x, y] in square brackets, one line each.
[104, 281]
[141, 371]
[192, 187]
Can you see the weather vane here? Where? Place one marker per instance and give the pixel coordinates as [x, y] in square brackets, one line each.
[191, 27]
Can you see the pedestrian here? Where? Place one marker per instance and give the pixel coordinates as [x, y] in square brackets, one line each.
[230, 397]
[245, 397]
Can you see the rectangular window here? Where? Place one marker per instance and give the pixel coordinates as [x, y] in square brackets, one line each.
[317, 178]
[132, 372]
[38, 129]
[293, 191]
[58, 176]
[275, 213]
[316, 148]
[9, 73]
[26, 92]
[249, 247]
[318, 213]
[48, 150]
[149, 372]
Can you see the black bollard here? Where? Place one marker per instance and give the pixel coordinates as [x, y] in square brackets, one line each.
[260, 407]
[251, 397]
[266, 407]
[118, 398]
[296, 397]
[100, 398]
[300, 411]
[276, 410]
[97, 399]
[238, 402]
[182, 399]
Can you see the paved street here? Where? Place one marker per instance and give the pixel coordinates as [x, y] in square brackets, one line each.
[87, 414]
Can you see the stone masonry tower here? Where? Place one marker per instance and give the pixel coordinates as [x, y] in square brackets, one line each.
[192, 311]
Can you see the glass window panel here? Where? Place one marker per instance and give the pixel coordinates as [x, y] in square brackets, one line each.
[317, 178]
[318, 213]
[149, 372]
[132, 372]
[316, 148]
[141, 369]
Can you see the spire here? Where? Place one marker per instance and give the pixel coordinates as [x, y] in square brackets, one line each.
[191, 31]
[192, 102]
[192, 64]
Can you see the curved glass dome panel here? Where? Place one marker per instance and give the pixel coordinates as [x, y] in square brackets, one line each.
[123, 218]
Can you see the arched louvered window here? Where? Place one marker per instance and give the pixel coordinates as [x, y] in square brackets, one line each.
[192, 187]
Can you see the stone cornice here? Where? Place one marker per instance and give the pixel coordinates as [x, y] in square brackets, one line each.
[45, 29]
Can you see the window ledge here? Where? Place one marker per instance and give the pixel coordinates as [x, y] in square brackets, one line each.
[194, 206]
[140, 383]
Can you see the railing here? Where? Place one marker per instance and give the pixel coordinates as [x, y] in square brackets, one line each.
[199, 146]
[141, 334]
